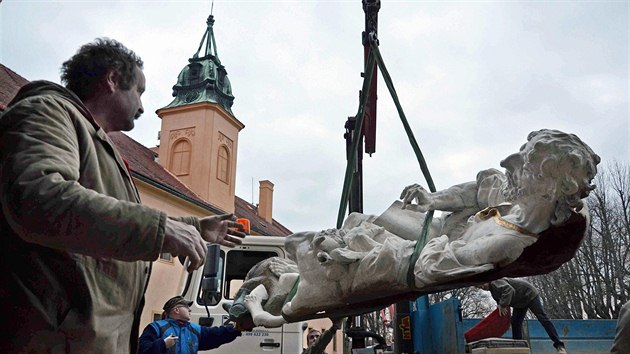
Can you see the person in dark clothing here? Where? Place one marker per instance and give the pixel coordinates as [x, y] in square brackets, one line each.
[621, 344]
[521, 296]
[312, 336]
[175, 334]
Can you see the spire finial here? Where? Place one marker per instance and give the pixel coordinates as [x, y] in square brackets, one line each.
[208, 37]
[204, 79]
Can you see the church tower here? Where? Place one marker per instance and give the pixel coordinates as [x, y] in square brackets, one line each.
[199, 134]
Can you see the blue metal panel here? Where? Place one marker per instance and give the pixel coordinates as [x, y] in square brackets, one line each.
[421, 326]
[579, 336]
[447, 327]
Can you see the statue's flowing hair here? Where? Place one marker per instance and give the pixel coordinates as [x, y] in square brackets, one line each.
[569, 161]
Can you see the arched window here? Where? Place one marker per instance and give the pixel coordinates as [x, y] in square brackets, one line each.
[180, 158]
[223, 164]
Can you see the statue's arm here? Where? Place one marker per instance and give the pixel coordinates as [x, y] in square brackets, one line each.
[455, 198]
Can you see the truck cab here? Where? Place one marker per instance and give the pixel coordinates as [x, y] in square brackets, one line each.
[225, 269]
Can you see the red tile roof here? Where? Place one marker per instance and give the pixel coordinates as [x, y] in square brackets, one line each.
[142, 163]
[10, 82]
[246, 210]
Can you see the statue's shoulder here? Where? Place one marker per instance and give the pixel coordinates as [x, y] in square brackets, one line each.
[491, 173]
[489, 184]
[490, 178]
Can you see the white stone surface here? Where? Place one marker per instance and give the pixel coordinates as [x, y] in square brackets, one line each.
[543, 184]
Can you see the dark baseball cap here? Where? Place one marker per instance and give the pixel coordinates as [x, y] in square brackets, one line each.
[174, 301]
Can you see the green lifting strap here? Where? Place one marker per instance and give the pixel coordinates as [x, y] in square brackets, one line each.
[293, 291]
[422, 240]
[347, 182]
[376, 59]
[367, 80]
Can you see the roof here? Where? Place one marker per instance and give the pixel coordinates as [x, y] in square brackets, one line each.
[249, 211]
[10, 83]
[142, 162]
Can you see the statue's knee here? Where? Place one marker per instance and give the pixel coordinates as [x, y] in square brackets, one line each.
[355, 219]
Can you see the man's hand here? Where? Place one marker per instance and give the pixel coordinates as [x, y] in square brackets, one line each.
[219, 229]
[181, 239]
[170, 341]
[419, 194]
[502, 310]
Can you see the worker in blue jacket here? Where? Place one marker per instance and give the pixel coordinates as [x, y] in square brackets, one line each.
[175, 334]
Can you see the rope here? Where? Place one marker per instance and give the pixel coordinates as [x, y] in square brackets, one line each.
[351, 160]
[422, 240]
[292, 292]
[375, 58]
[414, 144]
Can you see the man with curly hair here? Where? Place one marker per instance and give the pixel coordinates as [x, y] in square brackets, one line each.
[77, 243]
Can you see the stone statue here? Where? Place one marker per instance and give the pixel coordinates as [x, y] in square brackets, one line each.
[485, 226]
[265, 274]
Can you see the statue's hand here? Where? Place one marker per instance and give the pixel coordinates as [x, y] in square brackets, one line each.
[419, 194]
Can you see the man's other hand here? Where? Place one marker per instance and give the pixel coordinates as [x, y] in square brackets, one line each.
[181, 239]
[222, 230]
[170, 341]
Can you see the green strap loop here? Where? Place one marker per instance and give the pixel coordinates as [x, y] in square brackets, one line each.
[375, 58]
[293, 291]
[422, 240]
[412, 139]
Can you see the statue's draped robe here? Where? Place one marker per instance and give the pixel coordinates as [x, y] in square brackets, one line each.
[363, 259]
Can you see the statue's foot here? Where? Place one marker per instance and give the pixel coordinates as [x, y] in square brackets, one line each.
[253, 301]
[238, 311]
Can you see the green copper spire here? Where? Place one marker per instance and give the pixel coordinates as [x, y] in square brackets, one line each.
[204, 79]
[210, 43]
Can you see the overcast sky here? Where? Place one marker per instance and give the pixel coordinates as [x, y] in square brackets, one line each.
[474, 78]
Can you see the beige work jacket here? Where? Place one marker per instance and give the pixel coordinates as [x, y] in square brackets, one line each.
[76, 243]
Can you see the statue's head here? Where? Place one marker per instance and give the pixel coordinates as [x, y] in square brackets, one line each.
[555, 166]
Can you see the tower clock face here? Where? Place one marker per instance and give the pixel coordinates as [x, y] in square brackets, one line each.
[191, 96]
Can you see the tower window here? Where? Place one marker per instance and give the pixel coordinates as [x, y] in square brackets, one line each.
[195, 73]
[180, 158]
[223, 164]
